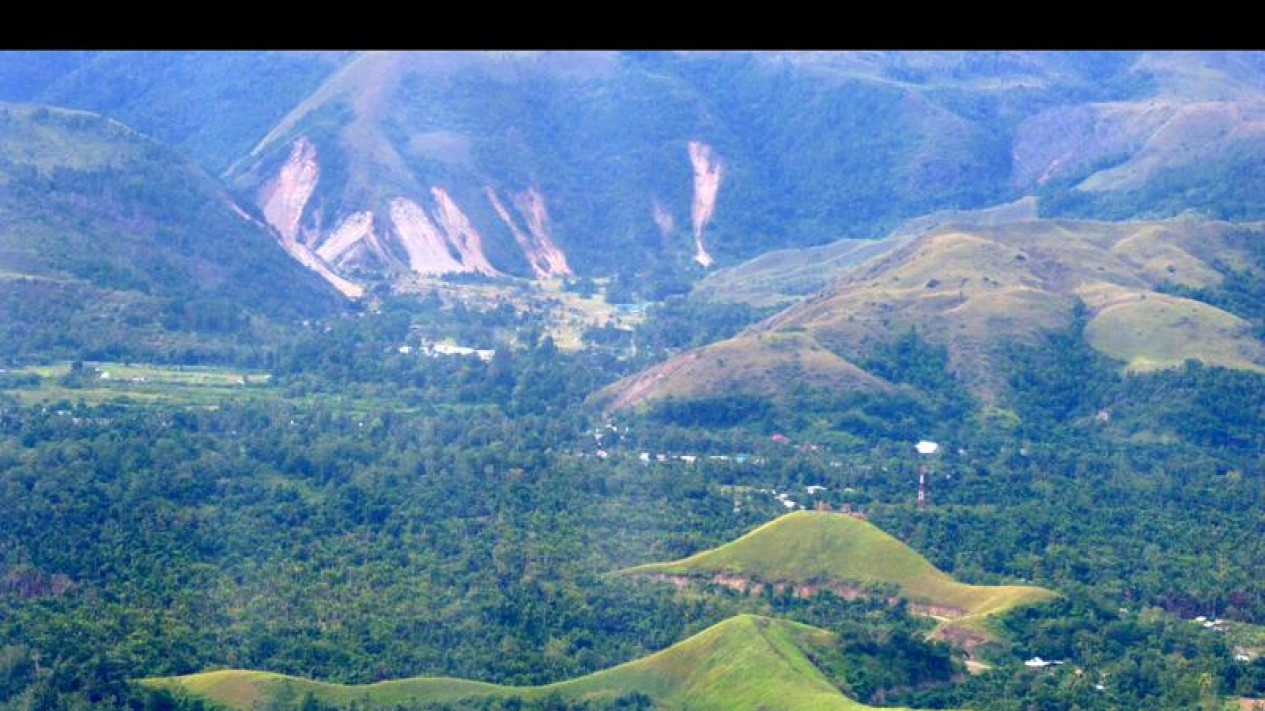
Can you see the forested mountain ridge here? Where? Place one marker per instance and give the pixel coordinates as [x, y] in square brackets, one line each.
[212, 106]
[361, 367]
[742, 153]
[397, 166]
[111, 243]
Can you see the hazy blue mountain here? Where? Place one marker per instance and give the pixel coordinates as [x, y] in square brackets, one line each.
[109, 241]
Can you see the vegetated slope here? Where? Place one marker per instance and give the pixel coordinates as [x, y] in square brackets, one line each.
[619, 163]
[1156, 331]
[786, 275]
[973, 289]
[212, 104]
[839, 551]
[783, 276]
[603, 163]
[767, 363]
[1193, 143]
[110, 242]
[406, 165]
[543, 164]
[745, 662]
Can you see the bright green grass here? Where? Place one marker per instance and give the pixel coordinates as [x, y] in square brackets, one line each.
[746, 662]
[141, 384]
[170, 375]
[1163, 331]
[192, 386]
[810, 547]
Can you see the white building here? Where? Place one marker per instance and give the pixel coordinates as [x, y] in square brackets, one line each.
[445, 349]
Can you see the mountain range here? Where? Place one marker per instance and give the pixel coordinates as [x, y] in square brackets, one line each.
[394, 369]
[973, 289]
[399, 167]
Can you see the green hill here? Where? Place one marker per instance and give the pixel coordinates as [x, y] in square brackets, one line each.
[112, 244]
[785, 275]
[1152, 331]
[975, 289]
[748, 365]
[212, 105]
[746, 662]
[841, 552]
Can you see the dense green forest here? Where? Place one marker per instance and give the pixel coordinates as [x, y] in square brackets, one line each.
[212, 460]
[113, 246]
[465, 525]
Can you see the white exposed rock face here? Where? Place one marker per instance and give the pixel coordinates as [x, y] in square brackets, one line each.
[283, 201]
[532, 204]
[461, 234]
[444, 245]
[308, 258]
[438, 241]
[241, 213]
[285, 197]
[707, 174]
[426, 248]
[544, 256]
[355, 229]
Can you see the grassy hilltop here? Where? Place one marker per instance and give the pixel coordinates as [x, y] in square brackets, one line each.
[745, 662]
[820, 548]
[973, 290]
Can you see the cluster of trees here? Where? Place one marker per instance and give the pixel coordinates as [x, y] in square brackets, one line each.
[1063, 390]
[1227, 188]
[679, 323]
[306, 542]
[1111, 658]
[452, 520]
[361, 358]
[300, 540]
